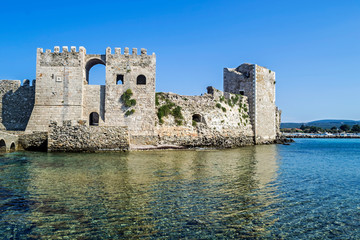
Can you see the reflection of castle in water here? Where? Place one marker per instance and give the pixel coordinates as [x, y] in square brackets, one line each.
[153, 193]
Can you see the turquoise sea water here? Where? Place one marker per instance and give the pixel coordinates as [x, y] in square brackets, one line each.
[308, 190]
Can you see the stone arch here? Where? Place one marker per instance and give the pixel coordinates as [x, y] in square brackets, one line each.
[91, 63]
[197, 118]
[141, 80]
[2, 145]
[12, 147]
[94, 119]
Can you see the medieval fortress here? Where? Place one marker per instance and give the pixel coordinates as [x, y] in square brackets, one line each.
[60, 111]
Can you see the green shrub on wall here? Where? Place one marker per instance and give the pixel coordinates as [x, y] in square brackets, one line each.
[128, 102]
[169, 108]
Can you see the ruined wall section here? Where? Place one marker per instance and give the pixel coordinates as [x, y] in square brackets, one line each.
[213, 119]
[16, 105]
[73, 137]
[129, 67]
[258, 84]
[265, 126]
[59, 89]
[241, 80]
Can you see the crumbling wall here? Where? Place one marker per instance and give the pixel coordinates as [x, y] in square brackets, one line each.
[82, 138]
[258, 84]
[17, 102]
[213, 119]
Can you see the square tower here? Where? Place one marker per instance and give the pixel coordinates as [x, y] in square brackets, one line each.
[258, 84]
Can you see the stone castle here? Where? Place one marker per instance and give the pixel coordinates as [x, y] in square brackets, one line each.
[64, 113]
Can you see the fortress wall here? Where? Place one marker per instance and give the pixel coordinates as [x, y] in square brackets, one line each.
[94, 101]
[59, 87]
[130, 66]
[265, 128]
[242, 79]
[216, 127]
[258, 84]
[82, 138]
[42, 115]
[16, 104]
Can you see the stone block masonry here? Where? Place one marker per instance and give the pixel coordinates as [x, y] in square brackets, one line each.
[126, 109]
[258, 84]
[16, 105]
[82, 138]
[215, 119]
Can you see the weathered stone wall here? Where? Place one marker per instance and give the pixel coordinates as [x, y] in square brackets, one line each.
[278, 122]
[34, 141]
[265, 126]
[63, 93]
[258, 84]
[129, 67]
[16, 104]
[80, 138]
[94, 101]
[213, 119]
[242, 80]
[59, 87]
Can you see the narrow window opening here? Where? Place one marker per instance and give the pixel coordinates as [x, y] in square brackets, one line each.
[94, 119]
[119, 79]
[196, 118]
[242, 92]
[141, 80]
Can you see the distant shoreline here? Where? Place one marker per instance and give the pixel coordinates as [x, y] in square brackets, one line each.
[319, 136]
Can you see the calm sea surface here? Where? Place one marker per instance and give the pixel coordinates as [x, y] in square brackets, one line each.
[308, 190]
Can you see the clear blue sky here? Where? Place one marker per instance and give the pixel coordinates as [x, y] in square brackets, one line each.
[313, 46]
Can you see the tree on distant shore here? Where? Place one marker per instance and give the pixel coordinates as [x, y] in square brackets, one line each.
[355, 128]
[345, 127]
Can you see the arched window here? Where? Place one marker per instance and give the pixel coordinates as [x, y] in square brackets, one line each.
[95, 72]
[196, 117]
[12, 147]
[141, 80]
[2, 145]
[94, 119]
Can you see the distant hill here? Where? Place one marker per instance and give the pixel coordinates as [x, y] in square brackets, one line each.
[326, 123]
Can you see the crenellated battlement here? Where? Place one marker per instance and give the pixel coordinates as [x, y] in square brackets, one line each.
[72, 49]
[126, 52]
[63, 49]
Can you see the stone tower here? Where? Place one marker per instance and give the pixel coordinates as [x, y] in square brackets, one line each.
[63, 94]
[258, 84]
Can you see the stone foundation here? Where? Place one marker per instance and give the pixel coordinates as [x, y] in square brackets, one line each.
[81, 138]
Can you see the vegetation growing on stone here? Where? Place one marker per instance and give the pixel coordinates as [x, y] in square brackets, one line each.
[223, 109]
[222, 98]
[235, 99]
[218, 105]
[194, 123]
[126, 98]
[170, 108]
[129, 112]
[176, 112]
[158, 95]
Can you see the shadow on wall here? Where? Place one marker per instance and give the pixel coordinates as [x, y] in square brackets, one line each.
[17, 107]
